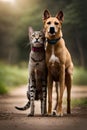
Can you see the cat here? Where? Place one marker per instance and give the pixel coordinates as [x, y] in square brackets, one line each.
[37, 88]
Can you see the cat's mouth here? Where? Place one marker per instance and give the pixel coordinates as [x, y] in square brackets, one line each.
[37, 44]
[37, 41]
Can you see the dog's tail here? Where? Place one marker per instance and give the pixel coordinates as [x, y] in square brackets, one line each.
[23, 108]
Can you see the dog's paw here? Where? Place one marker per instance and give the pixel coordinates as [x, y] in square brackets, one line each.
[50, 114]
[60, 114]
[54, 113]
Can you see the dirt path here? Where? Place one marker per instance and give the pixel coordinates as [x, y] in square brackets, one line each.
[11, 119]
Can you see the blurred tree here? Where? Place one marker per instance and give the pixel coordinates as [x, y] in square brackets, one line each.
[7, 24]
[75, 21]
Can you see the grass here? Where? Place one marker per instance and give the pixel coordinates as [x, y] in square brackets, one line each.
[79, 102]
[80, 76]
[11, 76]
[3, 89]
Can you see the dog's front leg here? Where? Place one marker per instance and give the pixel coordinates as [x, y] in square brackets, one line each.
[62, 86]
[50, 85]
[57, 97]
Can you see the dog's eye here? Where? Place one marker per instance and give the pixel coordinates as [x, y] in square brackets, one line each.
[49, 22]
[56, 23]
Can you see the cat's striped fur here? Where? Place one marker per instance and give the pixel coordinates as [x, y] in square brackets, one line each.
[37, 73]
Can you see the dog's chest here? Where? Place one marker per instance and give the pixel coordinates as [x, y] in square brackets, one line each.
[53, 64]
[53, 58]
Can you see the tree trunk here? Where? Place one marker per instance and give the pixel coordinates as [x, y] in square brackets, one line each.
[82, 61]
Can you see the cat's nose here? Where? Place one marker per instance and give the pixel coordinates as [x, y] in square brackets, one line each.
[36, 39]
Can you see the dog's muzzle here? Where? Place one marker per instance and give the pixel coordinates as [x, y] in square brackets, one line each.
[52, 30]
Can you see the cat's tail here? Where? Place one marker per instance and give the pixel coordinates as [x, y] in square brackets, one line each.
[23, 108]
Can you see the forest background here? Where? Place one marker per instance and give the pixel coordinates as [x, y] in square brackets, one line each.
[17, 16]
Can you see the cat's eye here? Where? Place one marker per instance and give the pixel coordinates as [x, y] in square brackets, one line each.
[33, 35]
[56, 23]
[40, 35]
[49, 23]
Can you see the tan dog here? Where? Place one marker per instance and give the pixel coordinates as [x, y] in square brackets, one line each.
[58, 59]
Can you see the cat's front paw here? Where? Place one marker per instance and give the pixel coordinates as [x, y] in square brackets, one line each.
[30, 114]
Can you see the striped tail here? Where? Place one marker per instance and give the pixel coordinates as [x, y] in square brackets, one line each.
[23, 108]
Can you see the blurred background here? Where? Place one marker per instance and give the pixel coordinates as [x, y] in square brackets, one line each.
[15, 18]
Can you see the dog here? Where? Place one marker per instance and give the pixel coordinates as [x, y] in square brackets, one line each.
[58, 60]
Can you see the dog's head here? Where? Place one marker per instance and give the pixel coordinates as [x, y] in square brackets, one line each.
[52, 25]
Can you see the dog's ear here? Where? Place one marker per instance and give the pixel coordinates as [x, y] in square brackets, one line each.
[30, 31]
[46, 15]
[60, 16]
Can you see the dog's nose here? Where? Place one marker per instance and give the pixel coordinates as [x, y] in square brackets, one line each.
[52, 30]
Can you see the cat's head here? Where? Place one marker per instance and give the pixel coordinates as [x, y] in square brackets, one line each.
[36, 38]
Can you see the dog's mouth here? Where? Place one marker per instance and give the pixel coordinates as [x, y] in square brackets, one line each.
[52, 34]
[52, 31]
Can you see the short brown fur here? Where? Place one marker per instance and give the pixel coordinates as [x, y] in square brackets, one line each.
[60, 71]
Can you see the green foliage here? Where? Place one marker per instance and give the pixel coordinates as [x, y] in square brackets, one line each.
[80, 76]
[79, 102]
[3, 89]
[11, 76]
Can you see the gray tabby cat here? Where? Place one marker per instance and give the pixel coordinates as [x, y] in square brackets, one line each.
[37, 88]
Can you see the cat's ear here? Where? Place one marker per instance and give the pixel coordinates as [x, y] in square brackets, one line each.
[30, 30]
[43, 31]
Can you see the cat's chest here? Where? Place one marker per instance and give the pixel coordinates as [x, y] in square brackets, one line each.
[36, 55]
[37, 60]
